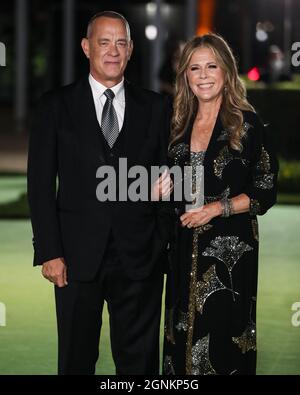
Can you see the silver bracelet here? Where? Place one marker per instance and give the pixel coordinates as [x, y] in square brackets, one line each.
[227, 209]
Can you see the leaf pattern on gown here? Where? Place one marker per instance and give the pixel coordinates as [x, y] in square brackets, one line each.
[210, 284]
[227, 249]
[247, 340]
[223, 159]
[201, 364]
[225, 134]
[264, 161]
[264, 181]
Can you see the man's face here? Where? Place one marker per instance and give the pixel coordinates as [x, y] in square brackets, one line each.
[108, 50]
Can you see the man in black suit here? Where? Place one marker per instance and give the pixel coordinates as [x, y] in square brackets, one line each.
[94, 251]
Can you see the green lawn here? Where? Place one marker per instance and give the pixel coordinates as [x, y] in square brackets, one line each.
[11, 187]
[28, 341]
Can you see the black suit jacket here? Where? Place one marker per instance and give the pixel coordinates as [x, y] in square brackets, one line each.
[65, 151]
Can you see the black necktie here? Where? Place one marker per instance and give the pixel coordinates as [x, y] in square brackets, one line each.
[109, 121]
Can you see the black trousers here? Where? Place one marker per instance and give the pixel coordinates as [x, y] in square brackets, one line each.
[134, 315]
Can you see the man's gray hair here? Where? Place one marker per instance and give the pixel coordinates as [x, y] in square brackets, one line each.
[108, 14]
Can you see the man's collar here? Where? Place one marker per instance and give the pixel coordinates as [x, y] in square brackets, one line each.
[99, 88]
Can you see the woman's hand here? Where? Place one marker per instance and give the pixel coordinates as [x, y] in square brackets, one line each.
[162, 187]
[202, 215]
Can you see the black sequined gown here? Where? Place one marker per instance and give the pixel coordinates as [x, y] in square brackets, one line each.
[210, 321]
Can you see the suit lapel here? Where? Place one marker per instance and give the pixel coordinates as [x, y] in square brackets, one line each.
[136, 123]
[86, 123]
[211, 148]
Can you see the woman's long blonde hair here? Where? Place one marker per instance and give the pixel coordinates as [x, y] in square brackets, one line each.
[234, 99]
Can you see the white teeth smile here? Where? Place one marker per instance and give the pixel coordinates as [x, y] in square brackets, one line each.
[208, 85]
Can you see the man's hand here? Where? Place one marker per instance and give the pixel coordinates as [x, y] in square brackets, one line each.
[55, 271]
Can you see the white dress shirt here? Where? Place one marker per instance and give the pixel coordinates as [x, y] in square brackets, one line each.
[98, 90]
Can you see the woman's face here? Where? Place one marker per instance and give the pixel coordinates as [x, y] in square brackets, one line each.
[205, 77]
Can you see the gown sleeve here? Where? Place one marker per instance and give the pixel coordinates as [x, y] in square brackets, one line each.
[261, 187]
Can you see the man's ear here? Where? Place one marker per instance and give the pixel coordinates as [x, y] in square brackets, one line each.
[85, 45]
[130, 49]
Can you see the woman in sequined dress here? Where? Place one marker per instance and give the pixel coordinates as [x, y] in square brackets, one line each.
[210, 323]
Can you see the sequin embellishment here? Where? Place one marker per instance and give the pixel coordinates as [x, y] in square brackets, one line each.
[264, 181]
[264, 162]
[201, 364]
[182, 324]
[227, 249]
[247, 126]
[224, 135]
[178, 152]
[247, 341]
[207, 287]
[222, 161]
[254, 207]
